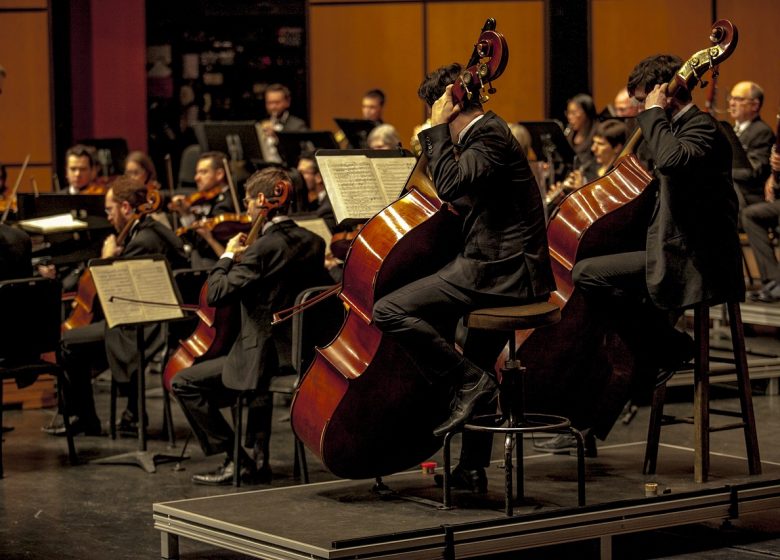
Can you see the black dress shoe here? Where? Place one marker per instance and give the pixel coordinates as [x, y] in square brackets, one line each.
[465, 401]
[473, 480]
[563, 444]
[77, 427]
[223, 476]
[128, 424]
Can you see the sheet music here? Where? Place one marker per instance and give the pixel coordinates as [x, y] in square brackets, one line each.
[393, 174]
[52, 224]
[144, 280]
[353, 187]
[317, 226]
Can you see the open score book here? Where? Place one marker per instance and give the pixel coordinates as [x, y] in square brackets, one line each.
[129, 289]
[359, 186]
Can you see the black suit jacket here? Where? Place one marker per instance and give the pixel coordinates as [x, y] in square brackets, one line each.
[488, 180]
[757, 140]
[693, 251]
[148, 237]
[15, 253]
[282, 262]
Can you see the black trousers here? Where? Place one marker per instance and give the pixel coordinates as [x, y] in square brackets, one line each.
[423, 317]
[201, 394]
[757, 220]
[81, 351]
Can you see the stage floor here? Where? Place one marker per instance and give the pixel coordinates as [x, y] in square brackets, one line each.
[346, 519]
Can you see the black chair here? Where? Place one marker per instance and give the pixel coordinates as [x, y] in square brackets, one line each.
[31, 307]
[315, 326]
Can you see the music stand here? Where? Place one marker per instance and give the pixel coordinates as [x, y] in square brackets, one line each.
[739, 157]
[356, 131]
[549, 144]
[292, 144]
[111, 154]
[149, 280]
[240, 140]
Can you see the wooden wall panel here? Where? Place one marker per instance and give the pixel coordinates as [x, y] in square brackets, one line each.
[755, 59]
[25, 106]
[22, 4]
[453, 27]
[623, 32]
[356, 48]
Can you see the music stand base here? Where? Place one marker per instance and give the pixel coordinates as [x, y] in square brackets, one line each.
[147, 460]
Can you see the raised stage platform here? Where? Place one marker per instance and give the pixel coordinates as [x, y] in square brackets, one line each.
[346, 519]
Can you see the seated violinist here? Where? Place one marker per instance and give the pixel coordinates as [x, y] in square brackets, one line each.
[93, 346]
[263, 275]
[140, 167]
[212, 199]
[80, 171]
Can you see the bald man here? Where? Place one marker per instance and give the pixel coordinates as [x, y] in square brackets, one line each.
[624, 106]
[756, 137]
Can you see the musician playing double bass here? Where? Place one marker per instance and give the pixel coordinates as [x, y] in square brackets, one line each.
[263, 277]
[480, 170]
[93, 346]
[692, 250]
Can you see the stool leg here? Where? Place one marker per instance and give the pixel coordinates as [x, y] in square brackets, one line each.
[112, 409]
[654, 429]
[701, 396]
[745, 390]
[580, 465]
[65, 419]
[446, 475]
[237, 443]
[508, 445]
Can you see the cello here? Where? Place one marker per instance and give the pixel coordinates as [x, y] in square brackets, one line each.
[363, 407]
[609, 215]
[217, 327]
[83, 305]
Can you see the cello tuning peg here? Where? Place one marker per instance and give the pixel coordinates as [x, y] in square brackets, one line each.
[492, 90]
[704, 84]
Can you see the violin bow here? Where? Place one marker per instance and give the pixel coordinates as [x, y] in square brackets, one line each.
[16, 188]
[231, 184]
[169, 174]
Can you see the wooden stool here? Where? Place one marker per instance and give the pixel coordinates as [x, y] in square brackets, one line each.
[513, 420]
[701, 404]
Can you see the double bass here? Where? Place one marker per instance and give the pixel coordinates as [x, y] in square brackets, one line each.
[609, 215]
[363, 407]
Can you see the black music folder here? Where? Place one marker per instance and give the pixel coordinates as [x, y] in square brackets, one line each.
[292, 144]
[356, 131]
[547, 140]
[239, 140]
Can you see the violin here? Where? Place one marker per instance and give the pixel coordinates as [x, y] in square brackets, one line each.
[222, 227]
[83, 305]
[363, 407]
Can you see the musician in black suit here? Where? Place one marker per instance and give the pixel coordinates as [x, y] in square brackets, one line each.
[756, 137]
[480, 170]
[691, 252]
[758, 220]
[277, 104]
[263, 277]
[93, 347]
[213, 199]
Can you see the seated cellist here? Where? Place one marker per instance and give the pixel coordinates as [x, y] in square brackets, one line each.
[263, 275]
[480, 170]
